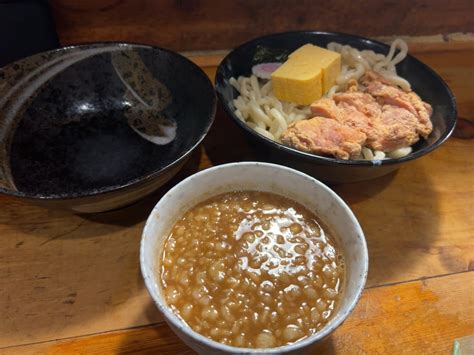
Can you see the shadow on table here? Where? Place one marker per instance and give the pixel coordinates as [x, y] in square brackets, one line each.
[399, 216]
[356, 192]
[160, 339]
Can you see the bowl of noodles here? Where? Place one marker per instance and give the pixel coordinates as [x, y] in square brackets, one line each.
[377, 106]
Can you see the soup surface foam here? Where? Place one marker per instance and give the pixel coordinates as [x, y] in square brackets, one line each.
[252, 269]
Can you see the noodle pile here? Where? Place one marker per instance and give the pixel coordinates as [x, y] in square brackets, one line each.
[355, 63]
[260, 109]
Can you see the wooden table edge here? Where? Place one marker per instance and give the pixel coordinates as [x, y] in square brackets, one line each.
[158, 335]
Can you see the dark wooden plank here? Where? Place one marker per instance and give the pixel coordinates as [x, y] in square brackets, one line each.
[208, 24]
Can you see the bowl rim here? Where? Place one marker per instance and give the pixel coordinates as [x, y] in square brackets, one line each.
[219, 87]
[171, 318]
[138, 180]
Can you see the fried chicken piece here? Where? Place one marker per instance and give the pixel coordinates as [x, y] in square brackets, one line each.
[325, 107]
[397, 127]
[387, 94]
[353, 109]
[389, 117]
[324, 136]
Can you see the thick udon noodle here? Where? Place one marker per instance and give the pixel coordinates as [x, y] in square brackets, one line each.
[355, 63]
[260, 109]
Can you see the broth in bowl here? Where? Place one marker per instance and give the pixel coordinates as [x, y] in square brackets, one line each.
[252, 269]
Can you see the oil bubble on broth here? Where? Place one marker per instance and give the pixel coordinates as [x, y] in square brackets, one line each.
[252, 269]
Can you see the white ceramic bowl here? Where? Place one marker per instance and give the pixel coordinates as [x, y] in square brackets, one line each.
[314, 195]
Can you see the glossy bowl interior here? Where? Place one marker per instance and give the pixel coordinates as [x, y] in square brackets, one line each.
[424, 81]
[287, 182]
[95, 127]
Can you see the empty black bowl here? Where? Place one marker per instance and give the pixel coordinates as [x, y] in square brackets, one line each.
[95, 127]
[424, 81]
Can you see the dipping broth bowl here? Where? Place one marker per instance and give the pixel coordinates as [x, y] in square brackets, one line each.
[95, 127]
[424, 81]
[309, 192]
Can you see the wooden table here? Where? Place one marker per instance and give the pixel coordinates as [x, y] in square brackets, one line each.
[72, 283]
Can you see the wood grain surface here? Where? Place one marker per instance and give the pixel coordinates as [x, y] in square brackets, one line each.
[64, 276]
[410, 318]
[208, 24]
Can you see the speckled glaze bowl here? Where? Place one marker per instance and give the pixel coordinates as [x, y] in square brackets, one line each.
[311, 193]
[424, 81]
[94, 127]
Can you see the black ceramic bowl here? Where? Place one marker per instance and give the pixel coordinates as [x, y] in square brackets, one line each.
[95, 127]
[424, 81]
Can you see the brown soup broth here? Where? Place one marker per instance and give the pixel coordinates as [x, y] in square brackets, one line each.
[252, 269]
